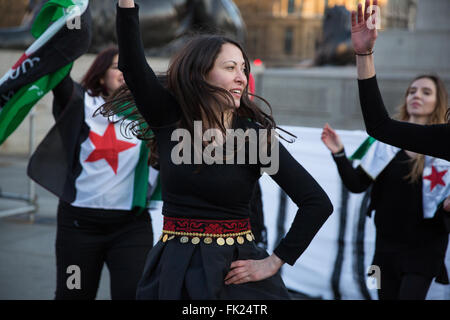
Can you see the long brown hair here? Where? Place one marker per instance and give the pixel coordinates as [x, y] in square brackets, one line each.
[91, 80]
[439, 115]
[198, 100]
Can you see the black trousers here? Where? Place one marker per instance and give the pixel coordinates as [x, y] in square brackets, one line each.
[396, 284]
[88, 238]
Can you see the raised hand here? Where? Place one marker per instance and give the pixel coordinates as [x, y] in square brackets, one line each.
[364, 33]
[331, 139]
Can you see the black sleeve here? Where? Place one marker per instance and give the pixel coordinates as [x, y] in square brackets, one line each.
[355, 180]
[155, 103]
[314, 206]
[62, 94]
[433, 140]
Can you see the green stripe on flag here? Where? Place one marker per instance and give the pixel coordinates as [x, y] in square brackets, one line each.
[141, 179]
[17, 108]
[50, 12]
[362, 149]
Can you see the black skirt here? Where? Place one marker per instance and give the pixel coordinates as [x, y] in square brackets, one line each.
[186, 271]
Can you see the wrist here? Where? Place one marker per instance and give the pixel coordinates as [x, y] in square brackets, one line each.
[276, 262]
[339, 153]
[365, 53]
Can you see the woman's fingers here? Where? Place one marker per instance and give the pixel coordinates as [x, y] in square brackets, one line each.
[360, 13]
[235, 274]
[353, 18]
[366, 14]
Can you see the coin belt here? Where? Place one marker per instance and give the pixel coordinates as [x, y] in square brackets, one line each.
[208, 238]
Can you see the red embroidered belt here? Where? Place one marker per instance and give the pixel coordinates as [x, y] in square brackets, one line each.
[222, 231]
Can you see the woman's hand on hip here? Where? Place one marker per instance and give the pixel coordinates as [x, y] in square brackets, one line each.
[243, 271]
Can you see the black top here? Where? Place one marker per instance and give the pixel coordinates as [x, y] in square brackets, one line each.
[213, 191]
[399, 220]
[433, 140]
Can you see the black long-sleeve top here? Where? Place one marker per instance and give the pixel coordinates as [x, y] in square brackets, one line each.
[433, 140]
[215, 191]
[399, 215]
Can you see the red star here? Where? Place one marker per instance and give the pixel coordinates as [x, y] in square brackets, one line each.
[108, 147]
[435, 177]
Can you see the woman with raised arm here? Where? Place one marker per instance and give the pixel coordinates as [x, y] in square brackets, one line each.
[425, 138]
[207, 250]
[409, 204]
[101, 180]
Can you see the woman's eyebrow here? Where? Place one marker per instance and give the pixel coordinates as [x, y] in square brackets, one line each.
[234, 62]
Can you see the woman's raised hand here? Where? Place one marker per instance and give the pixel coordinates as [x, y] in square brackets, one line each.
[364, 31]
[331, 139]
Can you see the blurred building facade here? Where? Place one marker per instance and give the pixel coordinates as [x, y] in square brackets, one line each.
[286, 32]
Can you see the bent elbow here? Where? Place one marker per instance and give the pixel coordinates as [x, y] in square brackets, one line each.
[328, 207]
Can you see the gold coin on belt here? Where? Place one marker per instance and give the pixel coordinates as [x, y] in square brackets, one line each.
[208, 240]
[230, 241]
[165, 238]
[171, 237]
[184, 239]
[220, 241]
[195, 240]
[240, 240]
[249, 237]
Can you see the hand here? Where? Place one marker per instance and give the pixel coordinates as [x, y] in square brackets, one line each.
[446, 204]
[363, 37]
[331, 139]
[243, 271]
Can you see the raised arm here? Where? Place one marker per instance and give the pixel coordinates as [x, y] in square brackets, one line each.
[433, 140]
[154, 102]
[62, 95]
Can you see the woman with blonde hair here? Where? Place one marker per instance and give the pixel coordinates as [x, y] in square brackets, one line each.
[408, 194]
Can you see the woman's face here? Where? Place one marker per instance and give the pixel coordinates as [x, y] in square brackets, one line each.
[421, 98]
[228, 72]
[113, 77]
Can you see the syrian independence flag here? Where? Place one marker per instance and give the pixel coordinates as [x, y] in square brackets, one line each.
[63, 33]
[375, 156]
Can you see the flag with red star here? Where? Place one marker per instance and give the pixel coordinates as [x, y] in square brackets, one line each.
[436, 174]
[436, 184]
[113, 164]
